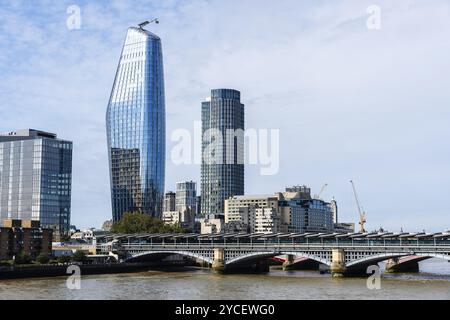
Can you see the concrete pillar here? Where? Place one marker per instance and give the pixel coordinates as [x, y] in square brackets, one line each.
[338, 267]
[218, 264]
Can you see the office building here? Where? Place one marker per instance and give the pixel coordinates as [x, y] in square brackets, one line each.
[299, 212]
[36, 179]
[169, 201]
[186, 196]
[222, 170]
[266, 220]
[135, 123]
[290, 211]
[234, 206]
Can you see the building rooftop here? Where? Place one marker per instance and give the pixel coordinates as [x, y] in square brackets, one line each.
[253, 197]
[26, 134]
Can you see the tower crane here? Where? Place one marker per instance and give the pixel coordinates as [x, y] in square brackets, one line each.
[362, 214]
[321, 191]
[143, 24]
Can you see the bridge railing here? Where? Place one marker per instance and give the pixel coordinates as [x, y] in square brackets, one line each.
[278, 247]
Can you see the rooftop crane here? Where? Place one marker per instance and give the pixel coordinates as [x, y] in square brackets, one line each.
[362, 214]
[143, 24]
[321, 191]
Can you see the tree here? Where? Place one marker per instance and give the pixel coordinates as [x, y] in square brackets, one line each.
[137, 222]
[64, 259]
[22, 258]
[79, 256]
[43, 258]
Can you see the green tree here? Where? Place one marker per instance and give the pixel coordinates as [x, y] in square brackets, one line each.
[63, 259]
[43, 258]
[22, 258]
[79, 256]
[137, 222]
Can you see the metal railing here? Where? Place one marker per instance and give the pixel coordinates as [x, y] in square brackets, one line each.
[282, 246]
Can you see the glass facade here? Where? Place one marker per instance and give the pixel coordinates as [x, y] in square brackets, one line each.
[36, 179]
[135, 122]
[186, 196]
[224, 178]
[311, 215]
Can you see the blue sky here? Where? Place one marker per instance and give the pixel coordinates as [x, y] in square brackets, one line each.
[350, 103]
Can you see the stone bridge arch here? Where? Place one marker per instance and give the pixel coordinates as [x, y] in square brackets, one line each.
[250, 257]
[149, 254]
[375, 259]
[254, 256]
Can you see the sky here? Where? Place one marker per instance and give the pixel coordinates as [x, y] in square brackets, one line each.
[372, 105]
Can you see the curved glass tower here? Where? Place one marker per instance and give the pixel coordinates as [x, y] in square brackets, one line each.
[135, 123]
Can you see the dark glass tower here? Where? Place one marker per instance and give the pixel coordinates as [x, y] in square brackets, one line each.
[135, 123]
[222, 177]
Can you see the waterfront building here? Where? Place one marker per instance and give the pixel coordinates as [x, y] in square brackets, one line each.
[36, 179]
[234, 205]
[135, 122]
[169, 201]
[222, 169]
[259, 213]
[186, 196]
[301, 213]
[290, 211]
[25, 236]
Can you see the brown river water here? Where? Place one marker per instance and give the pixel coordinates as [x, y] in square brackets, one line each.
[432, 282]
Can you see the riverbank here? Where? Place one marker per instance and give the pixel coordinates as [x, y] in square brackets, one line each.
[44, 271]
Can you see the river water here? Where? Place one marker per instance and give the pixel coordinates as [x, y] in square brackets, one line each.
[432, 282]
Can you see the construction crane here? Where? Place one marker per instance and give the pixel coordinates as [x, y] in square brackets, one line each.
[362, 214]
[143, 24]
[317, 196]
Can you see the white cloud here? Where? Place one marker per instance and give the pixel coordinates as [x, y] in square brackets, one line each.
[349, 102]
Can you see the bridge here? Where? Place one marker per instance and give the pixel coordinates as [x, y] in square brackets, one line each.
[342, 253]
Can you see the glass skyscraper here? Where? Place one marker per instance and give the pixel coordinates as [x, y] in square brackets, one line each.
[222, 171]
[135, 123]
[36, 179]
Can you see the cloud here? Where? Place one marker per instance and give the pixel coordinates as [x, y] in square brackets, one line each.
[349, 102]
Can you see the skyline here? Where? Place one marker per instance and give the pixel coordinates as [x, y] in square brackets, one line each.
[333, 69]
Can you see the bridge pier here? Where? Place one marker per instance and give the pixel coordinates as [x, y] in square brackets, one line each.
[288, 263]
[218, 265]
[300, 264]
[396, 265]
[338, 267]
